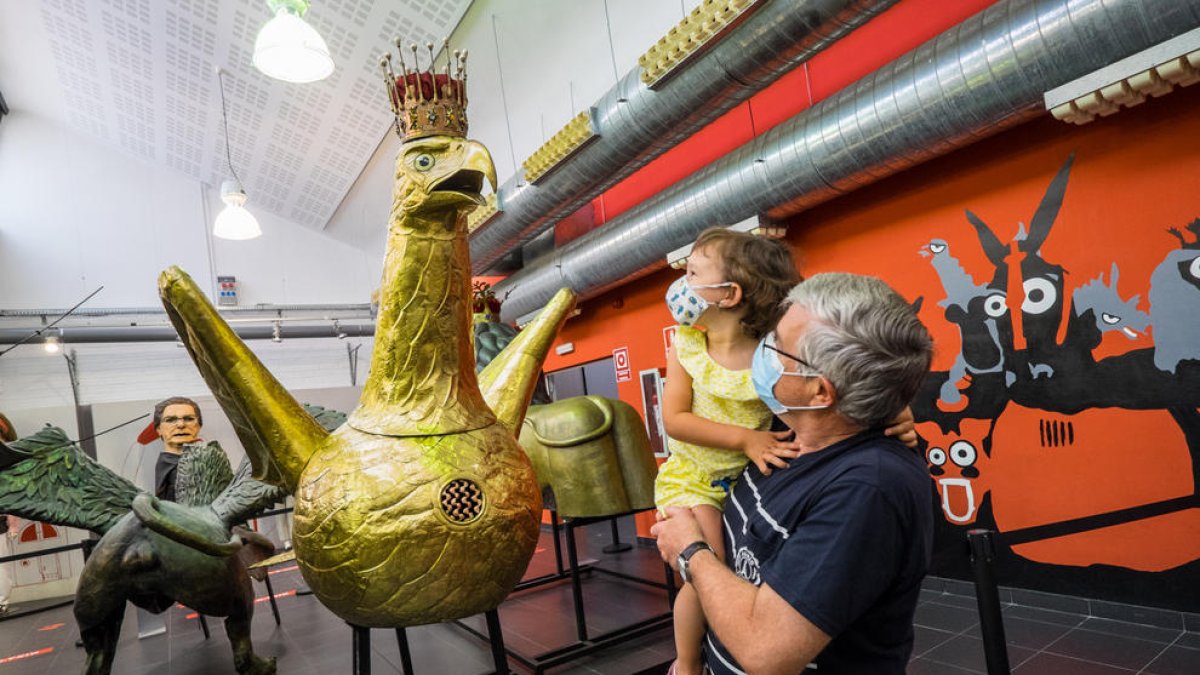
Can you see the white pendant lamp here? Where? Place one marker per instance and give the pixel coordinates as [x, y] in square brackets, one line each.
[234, 221]
[288, 48]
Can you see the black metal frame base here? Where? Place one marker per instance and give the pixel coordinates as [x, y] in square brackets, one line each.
[584, 644]
[361, 647]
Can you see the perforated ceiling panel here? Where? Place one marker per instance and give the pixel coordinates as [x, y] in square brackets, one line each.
[139, 74]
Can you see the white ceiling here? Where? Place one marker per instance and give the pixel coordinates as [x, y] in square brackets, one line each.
[139, 76]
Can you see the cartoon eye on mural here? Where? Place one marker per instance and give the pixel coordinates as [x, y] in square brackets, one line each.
[1030, 428]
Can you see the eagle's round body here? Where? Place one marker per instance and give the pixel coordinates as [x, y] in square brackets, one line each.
[390, 532]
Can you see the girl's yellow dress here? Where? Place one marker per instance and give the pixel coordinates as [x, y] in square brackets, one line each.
[727, 396]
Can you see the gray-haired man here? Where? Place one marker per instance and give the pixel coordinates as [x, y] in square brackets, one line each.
[827, 556]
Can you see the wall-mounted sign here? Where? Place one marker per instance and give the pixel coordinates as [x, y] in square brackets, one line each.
[652, 406]
[621, 364]
[669, 337]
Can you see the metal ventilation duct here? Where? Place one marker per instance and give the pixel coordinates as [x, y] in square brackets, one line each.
[984, 75]
[637, 124]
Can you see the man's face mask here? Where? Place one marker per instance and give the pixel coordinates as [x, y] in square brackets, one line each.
[685, 303]
[767, 370]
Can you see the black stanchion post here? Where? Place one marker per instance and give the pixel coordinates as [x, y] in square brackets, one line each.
[987, 595]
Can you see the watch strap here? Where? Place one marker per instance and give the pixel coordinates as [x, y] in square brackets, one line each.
[694, 547]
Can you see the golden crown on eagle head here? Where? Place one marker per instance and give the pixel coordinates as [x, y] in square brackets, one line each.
[428, 103]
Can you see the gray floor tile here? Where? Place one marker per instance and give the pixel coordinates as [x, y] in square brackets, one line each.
[1122, 652]
[967, 652]
[1054, 664]
[945, 617]
[1175, 660]
[1135, 630]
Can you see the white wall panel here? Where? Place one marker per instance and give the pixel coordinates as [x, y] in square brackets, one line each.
[75, 215]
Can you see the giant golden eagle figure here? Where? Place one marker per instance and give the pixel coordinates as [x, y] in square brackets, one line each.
[422, 507]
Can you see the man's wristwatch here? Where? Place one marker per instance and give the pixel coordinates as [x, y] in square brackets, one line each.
[685, 557]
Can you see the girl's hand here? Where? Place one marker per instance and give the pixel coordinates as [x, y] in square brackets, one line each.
[902, 428]
[769, 449]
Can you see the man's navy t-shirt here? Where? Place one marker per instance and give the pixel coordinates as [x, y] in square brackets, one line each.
[844, 535]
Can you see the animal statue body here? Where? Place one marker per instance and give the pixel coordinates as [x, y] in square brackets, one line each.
[591, 455]
[151, 553]
[422, 507]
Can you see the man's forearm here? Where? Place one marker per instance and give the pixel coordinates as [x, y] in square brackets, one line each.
[760, 638]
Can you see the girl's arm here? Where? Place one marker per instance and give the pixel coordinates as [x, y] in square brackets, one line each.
[764, 448]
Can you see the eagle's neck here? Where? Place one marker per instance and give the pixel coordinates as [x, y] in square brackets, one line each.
[422, 379]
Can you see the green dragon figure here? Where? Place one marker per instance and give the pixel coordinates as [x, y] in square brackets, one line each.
[151, 553]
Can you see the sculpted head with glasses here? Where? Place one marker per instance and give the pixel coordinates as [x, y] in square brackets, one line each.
[178, 421]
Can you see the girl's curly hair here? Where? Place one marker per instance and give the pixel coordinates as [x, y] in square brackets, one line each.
[762, 267]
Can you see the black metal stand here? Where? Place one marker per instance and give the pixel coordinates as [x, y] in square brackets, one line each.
[496, 637]
[203, 625]
[617, 546]
[360, 648]
[585, 643]
[271, 595]
[405, 655]
[991, 622]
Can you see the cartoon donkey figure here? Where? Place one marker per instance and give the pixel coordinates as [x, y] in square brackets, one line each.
[1001, 345]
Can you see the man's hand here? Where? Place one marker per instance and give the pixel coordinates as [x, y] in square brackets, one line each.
[675, 531]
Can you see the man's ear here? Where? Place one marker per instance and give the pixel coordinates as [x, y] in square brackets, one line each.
[826, 392]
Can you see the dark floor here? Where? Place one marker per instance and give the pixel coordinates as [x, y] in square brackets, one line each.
[312, 641]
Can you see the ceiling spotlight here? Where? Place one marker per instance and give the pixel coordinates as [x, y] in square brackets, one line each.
[289, 49]
[51, 345]
[276, 336]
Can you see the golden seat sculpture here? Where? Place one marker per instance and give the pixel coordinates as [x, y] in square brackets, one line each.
[422, 507]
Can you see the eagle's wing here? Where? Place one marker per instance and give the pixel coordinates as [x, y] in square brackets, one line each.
[46, 477]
